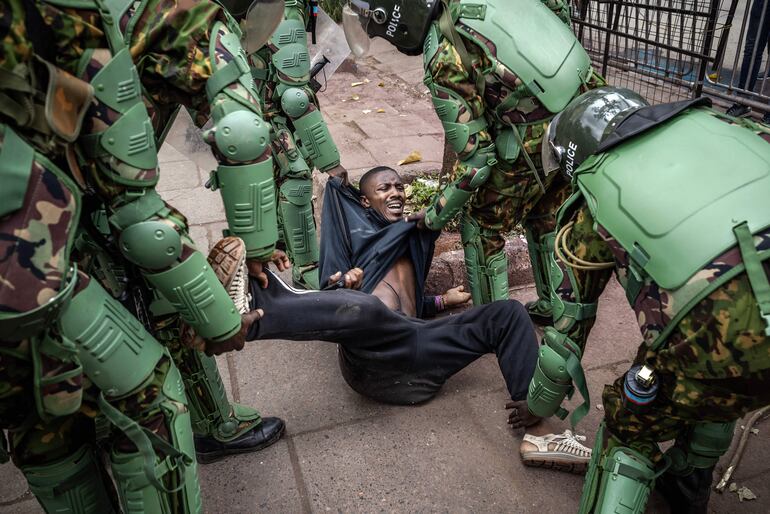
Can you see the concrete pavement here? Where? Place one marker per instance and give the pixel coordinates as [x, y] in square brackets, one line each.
[344, 453]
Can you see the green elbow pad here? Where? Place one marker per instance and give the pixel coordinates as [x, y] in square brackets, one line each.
[317, 143]
[116, 352]
[550, 384]
[248, 192]
[446, 207]
[196, 294]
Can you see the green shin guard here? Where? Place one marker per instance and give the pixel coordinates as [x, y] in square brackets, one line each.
[703, 447]
[248, 193]
[299, 231]
[180, 492]
[196, 294]
[619, 480]
[116, 352]
[539, 255]
[211, 412]
[317, 144]
[73, 485]
[487, 276]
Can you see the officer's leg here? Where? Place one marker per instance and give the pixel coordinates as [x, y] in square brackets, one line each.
[57, 455]
[295, 206]
[487, 272]
[142, 394]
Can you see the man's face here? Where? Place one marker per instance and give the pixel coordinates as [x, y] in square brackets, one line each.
[385, 194]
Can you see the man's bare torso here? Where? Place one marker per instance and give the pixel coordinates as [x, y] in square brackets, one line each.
[397, 288]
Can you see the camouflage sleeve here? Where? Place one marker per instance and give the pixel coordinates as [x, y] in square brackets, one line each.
[447, 70]
[15, 50]
[170, 44]
[587, 244]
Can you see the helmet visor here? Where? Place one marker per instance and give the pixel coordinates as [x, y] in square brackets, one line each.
[549, 153]
[355, 19]
[262, 18]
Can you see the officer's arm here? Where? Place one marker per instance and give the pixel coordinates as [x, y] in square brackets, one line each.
[290, 58]
[461, 111]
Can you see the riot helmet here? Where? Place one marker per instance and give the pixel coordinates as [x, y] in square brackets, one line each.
[577, 132]
[404, 23]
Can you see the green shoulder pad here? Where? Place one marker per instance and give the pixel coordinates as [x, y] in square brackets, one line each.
[553, 68]
[659, 193]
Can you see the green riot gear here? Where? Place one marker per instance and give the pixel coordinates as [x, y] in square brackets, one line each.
[702, 448]
[552, 68]
[403, 23]
[618, 480]
[72, 485]
[577, 132]
[487, 274]
[151, 244]
[299, 229]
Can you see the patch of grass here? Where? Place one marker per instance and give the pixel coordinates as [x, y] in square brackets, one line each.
[420, 194]
[333, 8]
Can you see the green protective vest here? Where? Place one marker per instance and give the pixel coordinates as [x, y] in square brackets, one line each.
[672, 196]
[532, 42]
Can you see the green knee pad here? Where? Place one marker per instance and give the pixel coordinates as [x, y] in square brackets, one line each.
[317, 144]
[619, 480]
[298, 222]
[487, 276]
[73, 485]
[180, 492]
[211, 412]
[116, 352]
[540, 250]
[702, 448]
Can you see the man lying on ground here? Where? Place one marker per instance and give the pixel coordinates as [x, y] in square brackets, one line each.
[396, 359]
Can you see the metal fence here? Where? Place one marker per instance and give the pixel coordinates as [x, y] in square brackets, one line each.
[673, 49]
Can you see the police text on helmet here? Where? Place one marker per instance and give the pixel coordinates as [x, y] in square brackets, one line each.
[395, 17]
[570, 165]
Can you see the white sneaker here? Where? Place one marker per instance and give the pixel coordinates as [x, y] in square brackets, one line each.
[563, 452]
[228, 260]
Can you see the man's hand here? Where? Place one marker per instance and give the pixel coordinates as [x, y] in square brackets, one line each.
[418, 218]
[353, 278]
[257, 267]
[339, 172]
[455, 296]
[235, 342]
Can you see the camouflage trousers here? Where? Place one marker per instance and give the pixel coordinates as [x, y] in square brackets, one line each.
[714, 366]
[512, 195]
[36, 441]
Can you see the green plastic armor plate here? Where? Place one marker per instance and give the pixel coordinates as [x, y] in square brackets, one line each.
[533, 43]
[672, 196]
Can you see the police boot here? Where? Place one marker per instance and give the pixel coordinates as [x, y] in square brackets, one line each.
[223, 428]
[686, 485]
[687, 494]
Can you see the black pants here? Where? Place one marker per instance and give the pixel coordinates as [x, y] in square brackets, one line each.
[393, 358]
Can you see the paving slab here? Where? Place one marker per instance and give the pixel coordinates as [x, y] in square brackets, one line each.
[389, 151]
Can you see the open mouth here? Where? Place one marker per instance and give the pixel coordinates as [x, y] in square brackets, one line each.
[395, 207]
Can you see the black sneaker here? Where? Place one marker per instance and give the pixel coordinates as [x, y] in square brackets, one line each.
[738, 110]
[208, 449]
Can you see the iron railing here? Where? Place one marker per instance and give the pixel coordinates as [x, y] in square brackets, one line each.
[669, 50]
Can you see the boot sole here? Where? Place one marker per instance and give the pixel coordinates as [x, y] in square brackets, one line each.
[578, 468]
[208, 458]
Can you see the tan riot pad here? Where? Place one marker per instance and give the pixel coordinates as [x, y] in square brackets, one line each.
[67, 100]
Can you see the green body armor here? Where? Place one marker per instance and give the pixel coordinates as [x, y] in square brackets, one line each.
[659, 193]
[552, 67]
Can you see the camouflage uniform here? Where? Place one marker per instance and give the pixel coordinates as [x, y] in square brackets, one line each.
[61, 331]
[282, 71]
[512, 194]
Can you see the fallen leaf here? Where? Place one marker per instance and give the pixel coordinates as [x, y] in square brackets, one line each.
[381, 84]
[415, 156]
[744, 493]
[355, 97]
[356, 84]
[366, 111]
[599, 406]
[380, 110]
[733, 487]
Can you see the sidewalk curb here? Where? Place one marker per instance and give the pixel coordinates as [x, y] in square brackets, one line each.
[448, 268]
